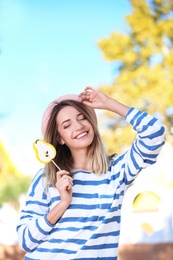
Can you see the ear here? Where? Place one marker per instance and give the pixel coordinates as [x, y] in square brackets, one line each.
[61, 141]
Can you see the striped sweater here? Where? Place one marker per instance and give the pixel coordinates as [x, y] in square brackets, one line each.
[90, 227]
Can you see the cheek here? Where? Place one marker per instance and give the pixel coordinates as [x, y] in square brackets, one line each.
[65, 135]
[93, 136]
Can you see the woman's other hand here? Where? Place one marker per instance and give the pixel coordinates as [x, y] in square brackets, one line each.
[64, 185]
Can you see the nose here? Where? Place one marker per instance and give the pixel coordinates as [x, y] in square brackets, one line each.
[77, 125]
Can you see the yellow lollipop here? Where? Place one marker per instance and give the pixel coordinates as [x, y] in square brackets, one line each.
[45, 152]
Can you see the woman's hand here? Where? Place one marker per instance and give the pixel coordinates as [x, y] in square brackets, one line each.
[64, 185]
[94, 98]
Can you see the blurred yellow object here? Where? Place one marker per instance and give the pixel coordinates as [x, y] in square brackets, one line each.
[12, 182]
[146, 202]
[7, 168]
[147, 228]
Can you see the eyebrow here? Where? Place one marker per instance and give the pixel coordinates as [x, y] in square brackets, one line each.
[65, 121]
[70, 119]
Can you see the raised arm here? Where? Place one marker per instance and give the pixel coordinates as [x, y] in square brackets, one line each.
[150, 133]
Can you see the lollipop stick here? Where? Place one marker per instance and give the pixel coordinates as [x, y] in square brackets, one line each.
[56, 165]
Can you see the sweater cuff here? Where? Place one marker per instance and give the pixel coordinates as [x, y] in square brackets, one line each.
[132, 115]
[44, 226]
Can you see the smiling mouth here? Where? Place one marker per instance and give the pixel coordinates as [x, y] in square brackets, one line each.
[81, 135]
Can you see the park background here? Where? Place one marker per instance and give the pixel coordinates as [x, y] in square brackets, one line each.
[51, 48]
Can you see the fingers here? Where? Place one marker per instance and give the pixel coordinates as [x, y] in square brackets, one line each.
[65, 184]
[87, 94]
[89, 89]
[64, 180]
[59, 174]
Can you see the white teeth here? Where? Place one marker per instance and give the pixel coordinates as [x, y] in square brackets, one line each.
[81, 135]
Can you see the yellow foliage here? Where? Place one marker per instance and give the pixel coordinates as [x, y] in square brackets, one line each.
[115, 46]
[117, 140]
[12, 181]
[166, 27]
[140, 5]
[145, 58]
[158, 1]
[7, 168]
[168, 62]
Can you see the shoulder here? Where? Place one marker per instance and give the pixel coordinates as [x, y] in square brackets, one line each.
[116, 160]
[38, 182]
[40, 174]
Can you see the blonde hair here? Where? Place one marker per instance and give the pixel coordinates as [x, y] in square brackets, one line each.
[97, 155]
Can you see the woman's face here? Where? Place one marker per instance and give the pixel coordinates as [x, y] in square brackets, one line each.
[75, 130]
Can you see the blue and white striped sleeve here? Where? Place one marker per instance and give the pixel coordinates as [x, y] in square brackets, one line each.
[149, 141]
[33, 227]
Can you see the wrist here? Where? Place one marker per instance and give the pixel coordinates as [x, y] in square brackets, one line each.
[64, 204]
[56, 212]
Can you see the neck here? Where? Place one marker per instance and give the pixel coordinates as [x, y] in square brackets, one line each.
[80, 160]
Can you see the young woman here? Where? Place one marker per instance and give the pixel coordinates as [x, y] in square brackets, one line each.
[75, 213]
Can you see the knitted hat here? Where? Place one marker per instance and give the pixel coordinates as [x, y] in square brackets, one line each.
[48, 110]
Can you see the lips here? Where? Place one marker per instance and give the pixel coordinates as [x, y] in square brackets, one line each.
[81, 135]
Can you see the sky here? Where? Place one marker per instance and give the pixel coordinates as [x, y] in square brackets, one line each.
[49, 48]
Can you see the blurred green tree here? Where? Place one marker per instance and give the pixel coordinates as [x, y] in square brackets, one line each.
[12, 182]
[143, 58]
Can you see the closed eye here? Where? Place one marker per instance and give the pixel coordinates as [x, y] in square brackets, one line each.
[81, 117]
[66, 126]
